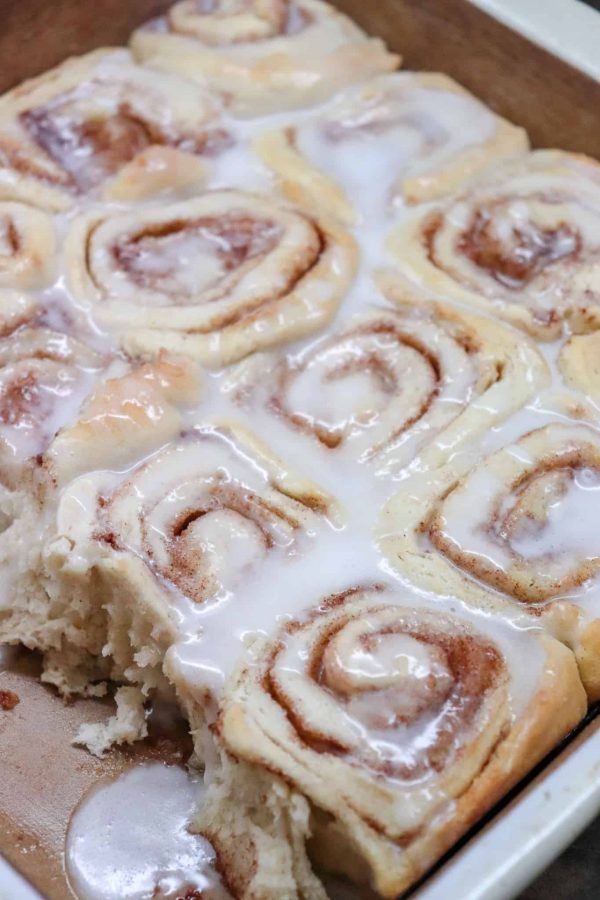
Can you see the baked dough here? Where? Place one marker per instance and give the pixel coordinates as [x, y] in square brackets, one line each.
[520, 243]
[65, 134]
[256, 273]
[253, 461]
[418, 381]
[263, 56]
[338, 709]
[409, 137]
[517, 525]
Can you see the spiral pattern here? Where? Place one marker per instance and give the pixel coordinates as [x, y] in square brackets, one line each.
[516, 528]
[262, 55]
[45, 377]
[68, 132]
[215, 22]
[395, 384]
[422, 133]
[387, 716]
[530, 533]
[522, 242]
[202, 513]
[217, 276]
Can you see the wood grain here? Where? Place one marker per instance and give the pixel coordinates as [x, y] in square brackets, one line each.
[555, 102]
[37, 34]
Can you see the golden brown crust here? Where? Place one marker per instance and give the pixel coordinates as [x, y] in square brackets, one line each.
[518, 243]
[292, 718]
[259, 274]
[484, 532]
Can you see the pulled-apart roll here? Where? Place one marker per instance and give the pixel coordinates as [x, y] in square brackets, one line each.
[416, 381]
[521, 242]
[55, 601]
[401, 722]
[519, 525]
[45, 377]
[262, 55]
[216, 277]
[193, 513]
[66, 133]
[403, 137]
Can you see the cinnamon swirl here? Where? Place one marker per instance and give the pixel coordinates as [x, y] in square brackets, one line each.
[180, 530]
[69, 131]
[400, 722]
[27, 247]
[396, 384]
[262, 56]
[522, 243]
[216, 277]
[45, 377]
[421, 133]
[220, 198]
[518, 525]
[54, 599]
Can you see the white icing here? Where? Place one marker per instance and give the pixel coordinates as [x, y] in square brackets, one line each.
[571, 523]
[369, 140]
[130, 834]
[129, 839]
[52, 399]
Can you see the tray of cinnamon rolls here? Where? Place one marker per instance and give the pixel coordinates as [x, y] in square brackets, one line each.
[300, 445]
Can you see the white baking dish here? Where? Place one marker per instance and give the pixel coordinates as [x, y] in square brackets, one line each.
[519, 841]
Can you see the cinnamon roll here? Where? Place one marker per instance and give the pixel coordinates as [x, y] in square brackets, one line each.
[400, 722]
[45, 377]
[127, 416]
[69, 131]
[421, 134]
[263, 55]
[182, 529]
[522, 243]
[54, 598]
[518, 525]
[27, 246]
[215, 277]
[396, 384]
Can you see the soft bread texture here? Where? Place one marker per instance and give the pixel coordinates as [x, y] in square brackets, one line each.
[271, 445]
[28, 243]
[67, 133]
[259, 828]
[286, 715]
[53, 606]
[131, 546]
[439, 378]
[449, 137]
[579, 363]
[263, 59]
[262, 274]
[458, 532]
[518, 243]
